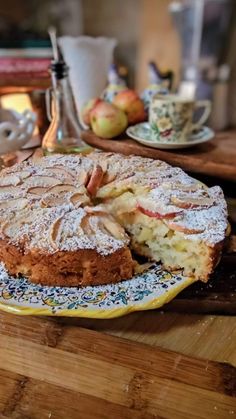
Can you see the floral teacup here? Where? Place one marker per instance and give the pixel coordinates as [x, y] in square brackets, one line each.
[171, 117]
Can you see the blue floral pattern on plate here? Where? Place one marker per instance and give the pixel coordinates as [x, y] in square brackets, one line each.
[143, 288]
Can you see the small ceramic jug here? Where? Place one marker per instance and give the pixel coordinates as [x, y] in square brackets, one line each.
[115, 84]
[159, 83]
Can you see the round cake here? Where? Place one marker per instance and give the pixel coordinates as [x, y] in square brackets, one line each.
[74, 220]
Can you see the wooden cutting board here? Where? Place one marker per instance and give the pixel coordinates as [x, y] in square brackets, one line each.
[217, 296]
[52, 370]
[216, 158]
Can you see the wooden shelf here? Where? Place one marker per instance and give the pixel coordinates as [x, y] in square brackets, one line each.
[10, 84]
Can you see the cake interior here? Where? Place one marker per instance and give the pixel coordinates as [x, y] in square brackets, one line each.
[152, 238]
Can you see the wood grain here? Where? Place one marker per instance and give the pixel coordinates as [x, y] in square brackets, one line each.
[217, 296]
[198, 335]
[49, 368]
[216, 158]
[51, 401]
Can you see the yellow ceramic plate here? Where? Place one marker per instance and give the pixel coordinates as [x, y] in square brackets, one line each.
[147, 291]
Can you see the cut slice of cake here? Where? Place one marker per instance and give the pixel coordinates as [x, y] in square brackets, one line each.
[182, 229]
[170, 217]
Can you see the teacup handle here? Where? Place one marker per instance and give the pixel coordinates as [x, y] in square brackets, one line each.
[206, 104]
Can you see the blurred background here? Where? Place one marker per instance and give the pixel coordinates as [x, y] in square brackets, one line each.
[193, 38]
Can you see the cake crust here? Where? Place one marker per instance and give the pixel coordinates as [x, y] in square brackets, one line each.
[66, 268]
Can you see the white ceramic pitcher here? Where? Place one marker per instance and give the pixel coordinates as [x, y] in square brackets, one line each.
[88, 59]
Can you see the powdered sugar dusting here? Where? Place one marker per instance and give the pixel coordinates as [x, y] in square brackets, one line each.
[33, 229]
[160, 184]
[156, 185]
[210, 219]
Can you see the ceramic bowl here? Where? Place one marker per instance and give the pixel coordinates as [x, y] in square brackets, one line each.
[15, 129]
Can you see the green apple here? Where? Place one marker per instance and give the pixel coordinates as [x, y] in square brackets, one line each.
[87, 108]
[107, 121]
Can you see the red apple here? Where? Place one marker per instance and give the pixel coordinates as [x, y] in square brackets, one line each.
[156, 214]
[183, 229]
[87, 108]
[107, 121]
[95, 180]
[129, 102]
[189, 202]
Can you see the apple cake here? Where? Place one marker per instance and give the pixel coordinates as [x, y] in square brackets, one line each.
[73, 220]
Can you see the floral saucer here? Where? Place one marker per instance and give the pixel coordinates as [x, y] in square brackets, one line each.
[143, 134]
[149, 290]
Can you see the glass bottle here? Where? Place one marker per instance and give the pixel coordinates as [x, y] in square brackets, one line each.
[64, 132]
